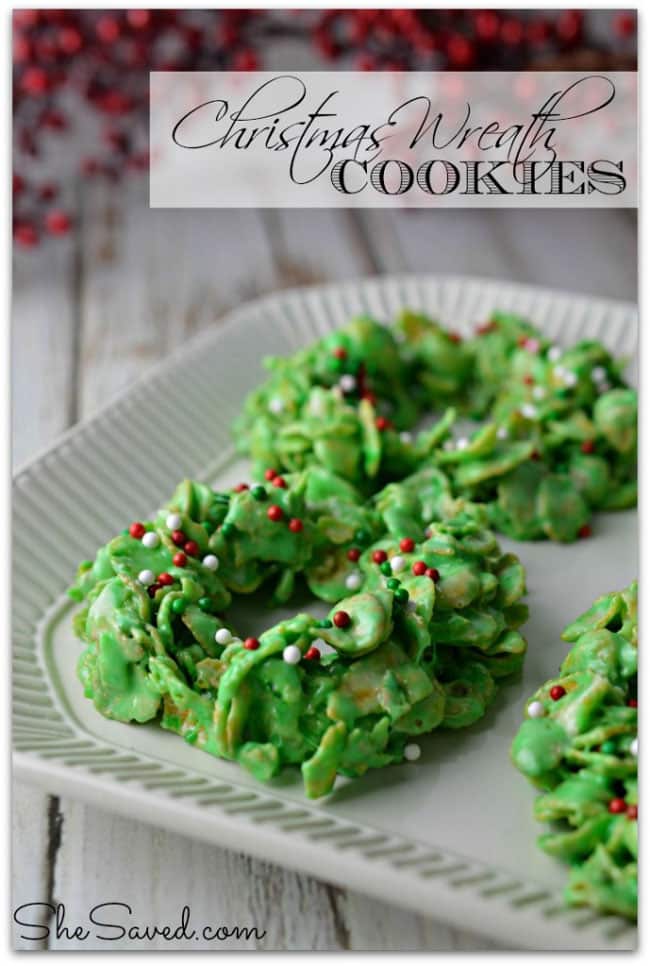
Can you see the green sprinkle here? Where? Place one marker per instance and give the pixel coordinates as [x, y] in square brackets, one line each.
[401, 595]
[191, 736]
[324, 623]
[259, 493]
[205, 604]
[393, 583]
[208, 526]
[361, 536]
[178, 605]
[228, 529]
[608, 747]
[386, 568]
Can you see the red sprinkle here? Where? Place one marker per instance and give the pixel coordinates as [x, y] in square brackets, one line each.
[312, 654]
[251, 643]
[270, 474]
[433, 573]
[191, 548]
[535, 456]
[633, 811]
[528, 379]
[165, 579]
[179, 538]
[341, 618]
[279, 482]
[485, 328]
[353, 554]
[379, 556]
[241, 487]
[339, 352]
[382, 423]
[137, 530]
[419, 568]
[407, 545]
[370, 396]
[295, 525]
[617, 805]
[152, 588]
[633, 703]
[588, 446]
[179, 559]
[585, 531]
[454, 337]
[557, 692]
[275, 513]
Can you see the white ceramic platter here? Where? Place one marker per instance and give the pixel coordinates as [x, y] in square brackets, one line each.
[451, 836]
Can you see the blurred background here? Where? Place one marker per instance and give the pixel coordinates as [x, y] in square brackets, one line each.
[104, 287]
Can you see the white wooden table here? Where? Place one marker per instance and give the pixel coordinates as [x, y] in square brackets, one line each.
[91, 314]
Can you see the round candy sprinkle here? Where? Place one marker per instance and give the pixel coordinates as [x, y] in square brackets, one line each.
[634, 747]
[502, 432]
[382, 423]
[608, 747]
[386, 568]
[401, 595]
[228, 529]
[554, 353]
[312, 654]
[241, 487]
[397, 564]
[433, 573]
[223, 636]
[353, 581]
[633, 703]
[599, 374]
[348, 383]
[419, 568]
[153, 588]
[617, 805]
[406, 438]
[151, 540]
[588, 446]
[251, 643]
[280, 482]
[276, 405]
[136, 530]
[295, 525]
[146, 577]
[584, 531]
[325, 622]
[633, 812]
[528, 411]
[291, 654]
[165, 579]
[179, 559]
[528, 379]
[407, 545]
[205, 604]
[557, 692]
[361, 536]
[341, 618]
[353, 554]
[379, 556]
[270, 474]
[539, 392]
[211, 562]
[178, 605]
[462, 443]
[191, 548]
[258, 493]
[179, 538]
[275, 513]
[536, 709]
[174, 521]
[412, 752]
[393, 583]
[339, 352]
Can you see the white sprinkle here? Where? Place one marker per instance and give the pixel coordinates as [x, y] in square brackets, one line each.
[449, 444]
[353, 581]
[151, 540]
[634, 747]
[174, 521]
[539, 392]
[604, 386]
[348, 383]
[223, 636]
[146, 577]
[462, 443]
[211, 562]
[554, 353]
[412, 752]
[291, 654]
[529, 411]
[323, 647]
[397, 564]
[536, 709]
[276, 405]
[502, 433]
[406, 437]
[599, 374]
[570, 378]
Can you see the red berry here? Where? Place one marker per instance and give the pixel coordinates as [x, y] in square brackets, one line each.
[588, 446]
[512, 32]
[275, 513]
[617, 805]
[433, 573]
[460, 51]
[251, 643]
[138, 19]
[58, 222]
[191, 548]
[569, 26]
[633, 812]
[69, 40]
[538, 31]
[557, 692]
[26, 235]
[633, 703]
[486, 24]
[179, 559]
[407, 545]
[270, 474]
[137, 531]
[339, 353]
[107, 29]
[382, 423]
[48, 191]
[295, 525]
[35, 81]
[584, 531]
[353, 554]
[419, 568]
[341, 618]
[241, 487]
[165, 579]
[179, 538]
[245, 60]
[280, 482]
[624, 24]
[312, 654]
[379, 556]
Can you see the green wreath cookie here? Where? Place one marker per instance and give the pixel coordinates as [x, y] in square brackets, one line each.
[423, 623]
[579, 745]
